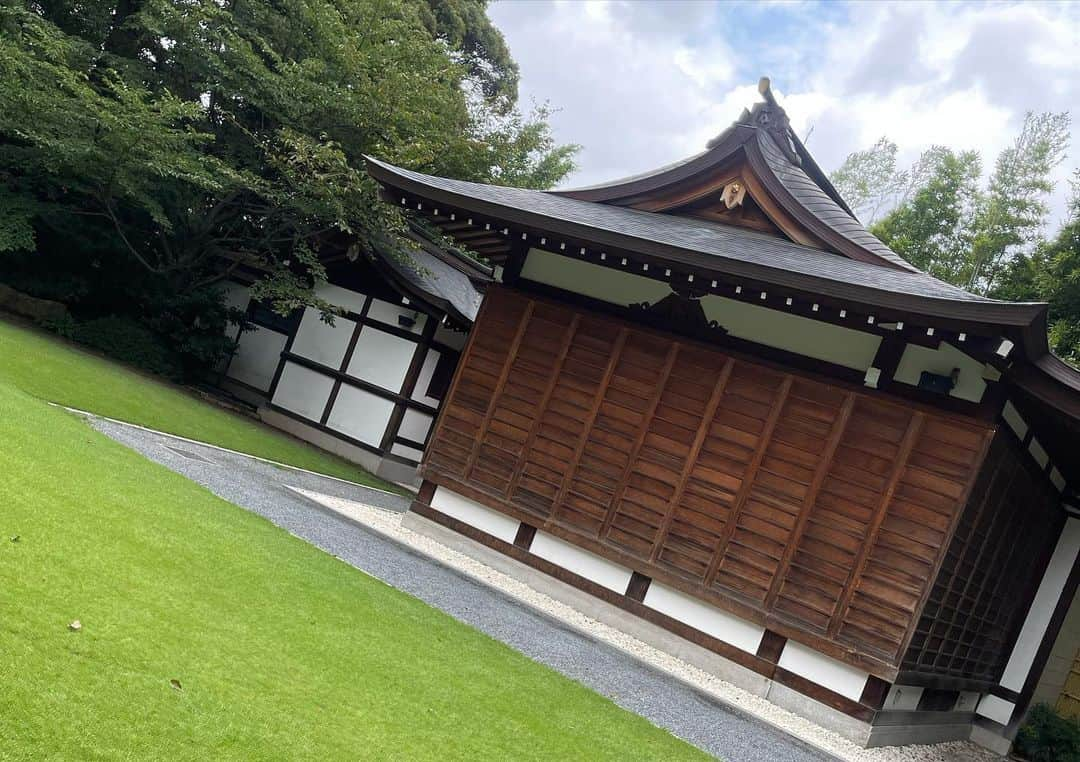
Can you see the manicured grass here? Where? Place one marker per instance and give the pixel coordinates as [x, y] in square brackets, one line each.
[281, 651]
[56, 371]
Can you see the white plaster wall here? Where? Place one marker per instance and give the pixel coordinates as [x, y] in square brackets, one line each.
[903, 697]
[325, 344]
[258, 353]
[997, 709]
[1042, 607]
[415, 425]
[581, 562]
[592, 280]
[427, 370]
[341, 297]
[360, 414]
[970, 386]
[475, 515]
[811, 338]
[701, 616]
[818, 668]
[302, 391]
[389, 313]
[381, 358]
[823, 341]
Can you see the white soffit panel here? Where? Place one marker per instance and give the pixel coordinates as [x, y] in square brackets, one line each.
[475, 515]
[581, 562]
[826, 672]
[701, 616]
[1042, 607]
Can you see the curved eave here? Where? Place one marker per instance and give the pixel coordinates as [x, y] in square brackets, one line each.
[724, 148]
[988, 312]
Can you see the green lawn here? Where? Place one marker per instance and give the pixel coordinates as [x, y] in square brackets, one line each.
[281, 651]
[54, 370]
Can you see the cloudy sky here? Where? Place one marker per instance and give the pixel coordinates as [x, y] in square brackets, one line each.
[640, 83]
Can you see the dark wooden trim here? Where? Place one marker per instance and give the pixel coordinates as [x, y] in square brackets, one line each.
[408, 384]
[771, 646]
[887, 358]
[942, 682]
[346, 358]
[638, 586]
[426, 491]
[526, 533]
[874, 692]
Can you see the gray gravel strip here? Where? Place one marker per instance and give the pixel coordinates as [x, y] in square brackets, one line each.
[689, 714]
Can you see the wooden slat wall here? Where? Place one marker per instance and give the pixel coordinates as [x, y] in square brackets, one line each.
[989, 575]
[789, 500]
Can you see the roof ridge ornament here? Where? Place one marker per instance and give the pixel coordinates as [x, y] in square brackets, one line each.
[770, 116]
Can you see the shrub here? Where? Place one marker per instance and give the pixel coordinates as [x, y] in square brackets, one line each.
[130, 342]
[1048, 737]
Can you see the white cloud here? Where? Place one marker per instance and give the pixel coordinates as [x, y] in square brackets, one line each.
[641, 84]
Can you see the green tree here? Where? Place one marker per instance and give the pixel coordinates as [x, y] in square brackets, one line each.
[869, 180]
[932, 228]
[171, 142]
[1013, 211]
[1052, 274]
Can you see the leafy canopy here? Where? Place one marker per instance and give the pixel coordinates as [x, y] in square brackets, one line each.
[172, 141]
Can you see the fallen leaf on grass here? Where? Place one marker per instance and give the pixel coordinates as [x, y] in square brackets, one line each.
[14, 538]
[176, 684]
[75, 626]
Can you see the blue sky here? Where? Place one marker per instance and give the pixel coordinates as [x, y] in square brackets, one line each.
[640, 83]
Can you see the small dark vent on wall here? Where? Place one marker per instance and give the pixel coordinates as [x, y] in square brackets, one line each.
[937, 383]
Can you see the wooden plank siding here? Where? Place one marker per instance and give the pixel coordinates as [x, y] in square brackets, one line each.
[820, 511]
[994, 563]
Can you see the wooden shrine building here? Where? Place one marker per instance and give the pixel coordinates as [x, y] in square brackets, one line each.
[710, 399]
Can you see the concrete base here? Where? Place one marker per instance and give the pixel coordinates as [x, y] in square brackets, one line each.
[647, 632]
[898, 728]
[391, 470]
[989, 739]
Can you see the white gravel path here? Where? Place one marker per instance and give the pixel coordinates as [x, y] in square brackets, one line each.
[388, 523]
